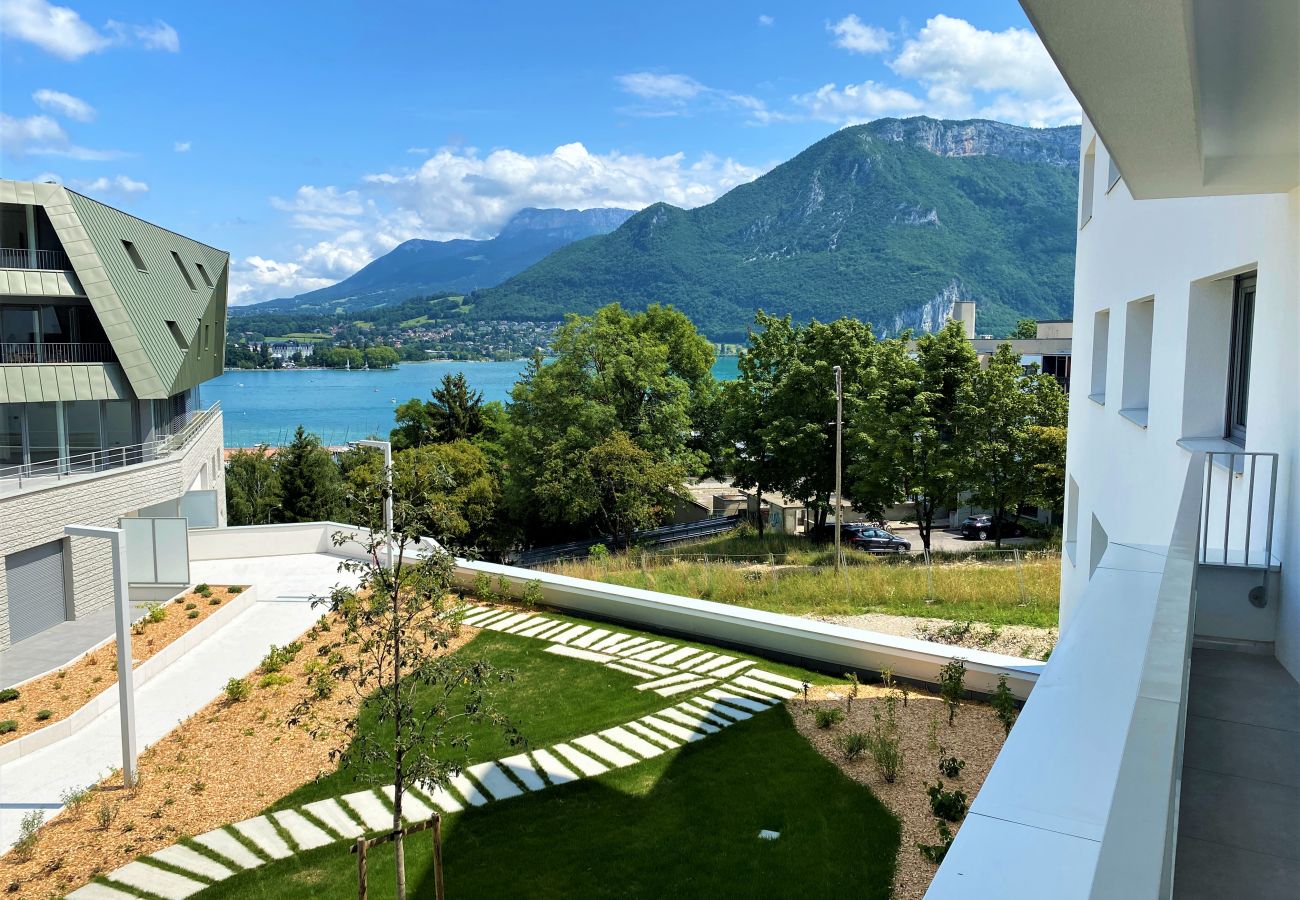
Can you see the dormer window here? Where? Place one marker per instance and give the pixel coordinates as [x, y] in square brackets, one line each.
[136, 259]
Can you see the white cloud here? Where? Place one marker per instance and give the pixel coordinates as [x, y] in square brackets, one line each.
[651, 86]
[61, 31]
[418, 151]
[673, 94]
[856, 103]
[122, 185]
[256, 278]
[65, 105]
[182, 146]
[42, 136]
[766, 20]
[856, 36]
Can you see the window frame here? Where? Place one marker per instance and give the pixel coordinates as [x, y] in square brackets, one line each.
[1241, 338]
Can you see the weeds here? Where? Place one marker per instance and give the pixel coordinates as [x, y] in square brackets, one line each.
[105, 815]
[29, 831]
[237, 689]
[951, 766]
[854, 744]
[1004, 704]
[73, 799]
[828, 717]
[948, 805]
[935, 853]
[884, 742]
[278, 657]
[952, 685]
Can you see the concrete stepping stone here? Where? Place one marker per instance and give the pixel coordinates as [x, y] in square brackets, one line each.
[588, 639]
[648, 655]
[554, 769]
[672, 730]
[677, 656]
[482, 619]
[569, 633]
[543, 634]
[220, 841]
[521, 767]
[372, 812]
[713, 664]
[733, 699]
[440, 797]
[637, 745]
[96, 891]
[262, 833]
[696, 722]
[624, 652]
[664, 682]
[629, 670]
[537, 626]
[334, 816]
[733, 669]
[764, 687]
[605, 750]
[529, 624]
[721, 709]
[508, 621]
[652, 735]
[591, 655]
[707, 715]
[581, 761]
[156, 881]
[673, 690]
[616, 638]
[752, 694]
[791, 683]
[414, 809]
[183, 857]
[306, 834]
[494, 780]
[692, 661]
[651, 668]
[623, 645]
[467, 789]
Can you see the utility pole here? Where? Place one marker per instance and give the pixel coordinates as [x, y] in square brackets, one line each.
[387, 447]
[839, 442]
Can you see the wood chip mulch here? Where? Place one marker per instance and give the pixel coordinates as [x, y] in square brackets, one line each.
[65, 691]
[976, 737]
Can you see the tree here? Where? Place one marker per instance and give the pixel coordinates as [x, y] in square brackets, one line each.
[310, 486]
[418, 701]
[907, 440]
[1015, 424]
[252, 487]
[455, 413]
[1026, 330]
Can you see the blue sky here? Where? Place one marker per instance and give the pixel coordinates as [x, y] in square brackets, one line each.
[307, 139]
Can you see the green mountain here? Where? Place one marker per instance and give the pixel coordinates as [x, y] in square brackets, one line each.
[890, 222]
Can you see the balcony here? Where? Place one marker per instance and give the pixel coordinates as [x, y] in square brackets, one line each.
[47, 352]
[26, 258]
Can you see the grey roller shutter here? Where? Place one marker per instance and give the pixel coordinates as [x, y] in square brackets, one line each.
[34, 580]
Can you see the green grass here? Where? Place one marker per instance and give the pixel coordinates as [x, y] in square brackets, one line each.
[304, 336]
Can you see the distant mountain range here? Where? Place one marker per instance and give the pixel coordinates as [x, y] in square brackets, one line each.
[891, 222]
[419, 267]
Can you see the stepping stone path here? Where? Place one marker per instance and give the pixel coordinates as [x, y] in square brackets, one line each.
[725, 689]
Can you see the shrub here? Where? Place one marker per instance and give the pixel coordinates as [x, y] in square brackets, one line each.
[503, 587]
[952, 685]
[598, 553]
[44, 715]
[949, 805]
[234, 589]
[156, 613]
[8, 695]
[74, 799]
[533, 593]
[854, 744]
[215, 601]
[105, 815]
[237, 689]
[483, 587]
[192, 614]
[278, 657]
[828, 717]
[203, 590]
[854, 687]
[28, 834]
[936, 852]
[322, 685]
[1004, 704]
[189, 606]
[8, 726]
[274, 679]
[951, 766]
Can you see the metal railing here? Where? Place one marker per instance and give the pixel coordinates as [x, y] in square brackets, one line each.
[23, 258]
[47, 352]
[173, 437]
[1242, 475]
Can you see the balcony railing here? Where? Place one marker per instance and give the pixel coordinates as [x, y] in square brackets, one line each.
[56, 353]
[174, 437]
[22, 258]
[1247, 481]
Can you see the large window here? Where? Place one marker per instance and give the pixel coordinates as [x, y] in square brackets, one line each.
[1139, 323]
[1243, 326]
[1087, 186]
[1100, 353]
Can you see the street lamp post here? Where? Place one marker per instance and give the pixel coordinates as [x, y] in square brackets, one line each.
[122, 617]
[839, 431]
[387, 447]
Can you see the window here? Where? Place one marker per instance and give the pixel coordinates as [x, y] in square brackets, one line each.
[1086, 177]
[1097, 546]
[136, 258]
[1071, 518]
[203, 273]
[1100, 347]
[185, 273]
[176, 333]
[1139, 318]
[1112, 173]
[1243, 326]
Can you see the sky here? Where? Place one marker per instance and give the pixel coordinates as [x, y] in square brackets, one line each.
[309, 138]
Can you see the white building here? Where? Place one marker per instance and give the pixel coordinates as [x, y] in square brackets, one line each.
[1157, 755]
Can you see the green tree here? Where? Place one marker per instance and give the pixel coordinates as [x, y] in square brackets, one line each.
[908, 442]
[1026, 330]
[1015, 423]
[252, 487]
[381, 357]
[310, 485]
[455, 413]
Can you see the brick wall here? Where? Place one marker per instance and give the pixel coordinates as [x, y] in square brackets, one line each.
[37, 517]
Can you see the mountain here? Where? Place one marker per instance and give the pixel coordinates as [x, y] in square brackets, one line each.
[419, 267]
[890, 221]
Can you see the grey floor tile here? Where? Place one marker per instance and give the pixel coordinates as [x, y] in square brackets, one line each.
[1240, 812]
[1268, 704]
[1231, 748]
[1208, 871]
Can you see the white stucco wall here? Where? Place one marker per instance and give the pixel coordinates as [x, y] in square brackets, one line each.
[1183, 253]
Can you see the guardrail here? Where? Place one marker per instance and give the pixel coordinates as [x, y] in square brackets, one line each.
[56, 353]
[179, 432]
[1238, 549]
[651, 537]
[23, 258]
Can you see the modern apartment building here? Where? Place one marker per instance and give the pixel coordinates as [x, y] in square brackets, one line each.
[109, 325]
[1157, 755]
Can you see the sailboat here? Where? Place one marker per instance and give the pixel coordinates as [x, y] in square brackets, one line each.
[347, 365]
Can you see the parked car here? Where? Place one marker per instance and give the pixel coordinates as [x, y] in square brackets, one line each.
[878, 540]
[980, 528]
[848, 531]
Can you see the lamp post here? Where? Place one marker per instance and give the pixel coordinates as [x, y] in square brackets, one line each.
[387, 447]
[122, 617]
[839, 431]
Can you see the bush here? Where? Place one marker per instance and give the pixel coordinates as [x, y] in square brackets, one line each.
[884, 743]
[278, 657]
[192, 614]
[156, 613]
[44, 715]
[936, 852]
[8, 695]
[74, 799]
[828, 717]
[952, 685]
[274, 679]
[234, 589]
[598, 553]
[8, 726]
[203, 590]
[237, 689]
[949, 805]
[503, 587]
[483, 587]
[951, 766]
[1004, 704]
[322, 685]
[105, 815]
[854, 744]
[28, 834]
[189, 606]
[533, 593]
[215, 601]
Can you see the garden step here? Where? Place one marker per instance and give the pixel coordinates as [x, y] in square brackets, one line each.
[648, 668]
[650, 646]
[752, 694]
[639, 746]
[494, 780]
[628, 669]
[590, 655]
[620, 646]
[681, 688]
[371, 810]
[647, 655]
[467, 789]
[714, 663]
[529, 624]
[733, 699]
[537, 626]
[588, 639]
[617, 637]
[696, 722]
[581, 761]
[305, 833]
[508, 621]
[335, 816]
[707, 715]
[573, 631]
[182, 857]
[553, 768]
[261, 832]
[154, 880]
[603, 749]
[677, 656]
[96, 891]
[440, 797]
[480, 620]
[664, 682]
[672, 730]
[777, 679]
[716, 709]
[522, 768]
[733, 669]
[653, 735]
[544, 634]
[413, 808]
[764, 687]
[220, 842]
[692, 661]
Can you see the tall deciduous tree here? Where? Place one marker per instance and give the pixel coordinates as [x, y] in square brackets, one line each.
[310, 487]
[252, 487]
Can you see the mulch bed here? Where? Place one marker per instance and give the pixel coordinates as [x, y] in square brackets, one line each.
[63, 692]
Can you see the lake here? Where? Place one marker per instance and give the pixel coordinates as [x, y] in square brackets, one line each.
[265, 406]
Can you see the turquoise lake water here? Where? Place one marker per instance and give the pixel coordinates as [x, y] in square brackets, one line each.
[340, 406]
